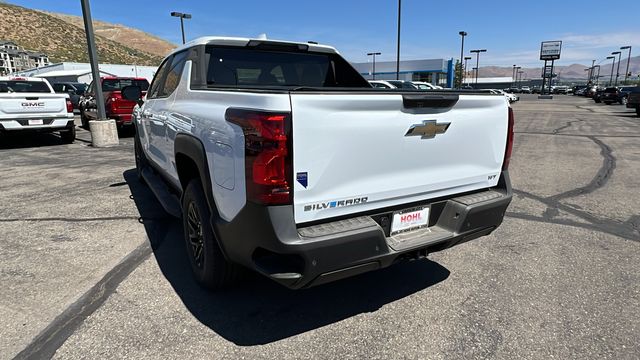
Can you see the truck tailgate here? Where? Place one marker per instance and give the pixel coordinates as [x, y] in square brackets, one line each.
[360, 152]
[32, 104]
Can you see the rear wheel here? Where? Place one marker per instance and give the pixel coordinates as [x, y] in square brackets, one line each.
[208, 264]
[68, 136]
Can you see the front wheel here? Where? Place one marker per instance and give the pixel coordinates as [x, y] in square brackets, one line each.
[140, 157]
[208, 264]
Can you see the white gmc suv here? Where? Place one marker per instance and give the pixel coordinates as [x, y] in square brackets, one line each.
[29, 104]
[281, 158]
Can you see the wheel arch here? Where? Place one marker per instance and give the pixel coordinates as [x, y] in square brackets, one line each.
[191, 162]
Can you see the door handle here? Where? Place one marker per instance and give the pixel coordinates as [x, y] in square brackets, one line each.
[161, 117]
[146, 113]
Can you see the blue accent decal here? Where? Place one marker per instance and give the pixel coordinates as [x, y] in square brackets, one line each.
[450, 73]
[333, 204]
[302, 179]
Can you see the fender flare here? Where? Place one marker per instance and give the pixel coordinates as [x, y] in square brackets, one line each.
[192, 147]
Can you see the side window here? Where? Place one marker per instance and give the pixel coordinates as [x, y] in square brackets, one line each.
[154, 89]
[173, 75]
[91, 90]
[58, 87]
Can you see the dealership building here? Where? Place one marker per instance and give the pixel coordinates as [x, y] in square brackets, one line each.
[81, 72]
[434, 71]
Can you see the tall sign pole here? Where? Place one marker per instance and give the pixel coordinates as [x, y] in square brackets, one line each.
[549, 50]
[93, 58]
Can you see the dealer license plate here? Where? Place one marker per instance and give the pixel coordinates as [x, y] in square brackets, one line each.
[36, 122]
[409, 219]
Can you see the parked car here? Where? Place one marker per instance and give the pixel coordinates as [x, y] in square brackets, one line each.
[613, 94]
[239, 154]
[561, 89]
[510, 97]
[535, 89]
[597, 96]
[525, 90]
[116, 107]
[402, 84]
[633, 99]
[75, 90]
[579, 89]
[381, 84]
[29, 104]
[513, 90]
[425, 85]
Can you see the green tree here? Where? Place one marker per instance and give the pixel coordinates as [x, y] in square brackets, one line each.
[457, 75]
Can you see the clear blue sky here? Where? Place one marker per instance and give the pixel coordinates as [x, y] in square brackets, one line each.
[510, 31]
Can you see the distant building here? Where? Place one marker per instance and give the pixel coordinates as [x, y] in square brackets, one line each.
[81, 72]
[13, 58]
[434, 71]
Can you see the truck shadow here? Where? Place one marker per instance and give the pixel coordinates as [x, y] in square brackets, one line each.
[29, 140]
[259, 311]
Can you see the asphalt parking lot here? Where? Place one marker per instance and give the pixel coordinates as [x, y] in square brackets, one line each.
[92, 267]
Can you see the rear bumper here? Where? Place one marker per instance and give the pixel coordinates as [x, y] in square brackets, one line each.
[49, 125]
[267, 240]
[121, 119]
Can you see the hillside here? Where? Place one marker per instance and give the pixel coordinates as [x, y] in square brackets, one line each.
[574, 71]
[35, 30]
[133, 38]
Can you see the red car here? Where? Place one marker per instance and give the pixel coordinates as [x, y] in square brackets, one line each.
[116, 107]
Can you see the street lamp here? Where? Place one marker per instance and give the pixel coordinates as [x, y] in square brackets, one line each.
[626, 74]
[513, 75]
[612, 66]
[398, 51]
[374, 62]
[520, 83]
[596, 76]
[465, 66]
[618, 69]
[181, 16]
[462, 35]
[516, 70]
[477, 52]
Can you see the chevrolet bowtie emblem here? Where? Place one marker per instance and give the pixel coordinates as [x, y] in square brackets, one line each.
[428, 129]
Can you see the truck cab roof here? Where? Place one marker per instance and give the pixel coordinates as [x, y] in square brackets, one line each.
[242, 42]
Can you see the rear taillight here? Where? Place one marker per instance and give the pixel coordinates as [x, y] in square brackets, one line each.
[69, 106]
[509, 148]
[268, 165]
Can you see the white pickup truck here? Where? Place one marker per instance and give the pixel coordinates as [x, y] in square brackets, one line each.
[281, 158]
[29, 104]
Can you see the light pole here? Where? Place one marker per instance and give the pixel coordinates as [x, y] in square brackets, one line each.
[612, 66]
[517, 70]
[477, 52]
[626, 74]
[619, 53]
[474, 72]
[93, 59]
[597, 76]
[520, 83]
[589, 74]
[398, 50]
[374, 62]
[182, 16]
[513, 75]
[462, 35]
[465, 66]
[593, 62]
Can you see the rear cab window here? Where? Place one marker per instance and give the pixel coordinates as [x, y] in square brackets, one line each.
[252, 67]
[23, 86]
[118, 84]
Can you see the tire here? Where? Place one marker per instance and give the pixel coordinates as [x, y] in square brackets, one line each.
[210, 268]
[638, 111]
[141, 159]
[68, 136]
[84, 120]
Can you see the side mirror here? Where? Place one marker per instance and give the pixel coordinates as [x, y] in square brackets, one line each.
[132, 93]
